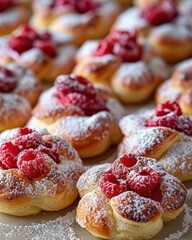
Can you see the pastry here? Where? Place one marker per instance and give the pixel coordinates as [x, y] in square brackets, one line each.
[81, 19]
[129, 199]
[78, 112]
[38, 50]
[164, 134]
[12, 14]
[128, 67]
[164, 26]
[179, 87]
[38, 172]
[19, 91]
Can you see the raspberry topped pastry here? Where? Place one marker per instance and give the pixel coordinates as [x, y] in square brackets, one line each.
[131, 69]
[78, 112]
[81, 19]
[129, 199]
[19, 91]
[38, 172]
[12, 14]
[167, 29]
[179, 87]
[38, 50]
[164, 134]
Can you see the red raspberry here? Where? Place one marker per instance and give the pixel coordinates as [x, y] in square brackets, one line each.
[8, 155]
[20, 43]
[185, 125]
[84, 6]
[27, 138]
[44, 36]
[8, 82]
[122, 37]
[103, 48]
[157, 194]
[110, 186]
[143, 182]
[123, 165]
[168, 107]
[6, 4]
[158, 14]
[51, 150]
[89, 106]
[73, 84]
[26, 31]
[47, 47]
[32, 163]
[58, 3]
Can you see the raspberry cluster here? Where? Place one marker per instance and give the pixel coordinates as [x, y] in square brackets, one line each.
[123, 177]
[74, 90]
[6, 4]
[26, 152]
[82, 6]
[169, 115]
[122, 44]
[8, 81]
[160, 13]
[25, 38]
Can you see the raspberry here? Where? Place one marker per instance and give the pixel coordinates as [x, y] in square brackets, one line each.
[20, 43]
[158, 14]
[84, 6]
[157, 194]
[27, 138]
[70, 84]
[6, 4]
[143, 182]
[89, 106]
[185, 125]
[47, 47]
[103, 48]
[32, 163]
[168, 107]
[44, 36]
[8, 155]
[110, 186]
[51, 150]
[123, 37]
[8, 82]
[26, 31]
[123, 165]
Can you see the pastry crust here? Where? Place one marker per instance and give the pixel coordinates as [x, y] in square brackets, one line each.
[131, 82]
[179, 87]
[89, 135]
[54, 190]
[169, 147]
[127, 215]
[39, 62]
[92, 24]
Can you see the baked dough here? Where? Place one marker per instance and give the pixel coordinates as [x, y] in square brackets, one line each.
[21, 193]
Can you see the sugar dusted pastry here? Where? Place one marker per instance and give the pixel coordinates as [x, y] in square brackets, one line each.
[19, 91]
[164, 134]
[82, 19]
[164, 25]
[128, 67]
[179, 87]
[38, 172]
[12, 14]
[47, 54]
[78, 112]
[129, 199]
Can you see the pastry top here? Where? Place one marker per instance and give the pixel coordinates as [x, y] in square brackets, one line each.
[133, 190]
[164, 134]
[179, 87]
[35, 164]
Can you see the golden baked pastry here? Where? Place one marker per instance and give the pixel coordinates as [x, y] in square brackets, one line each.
[119, 61]
[164, 25]
[19, 91]
[82, 19]
[179, 87]
[38, 50]
[164, 134]
[38, 172]
[78, 112]
[12, 14]
[129, 199]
